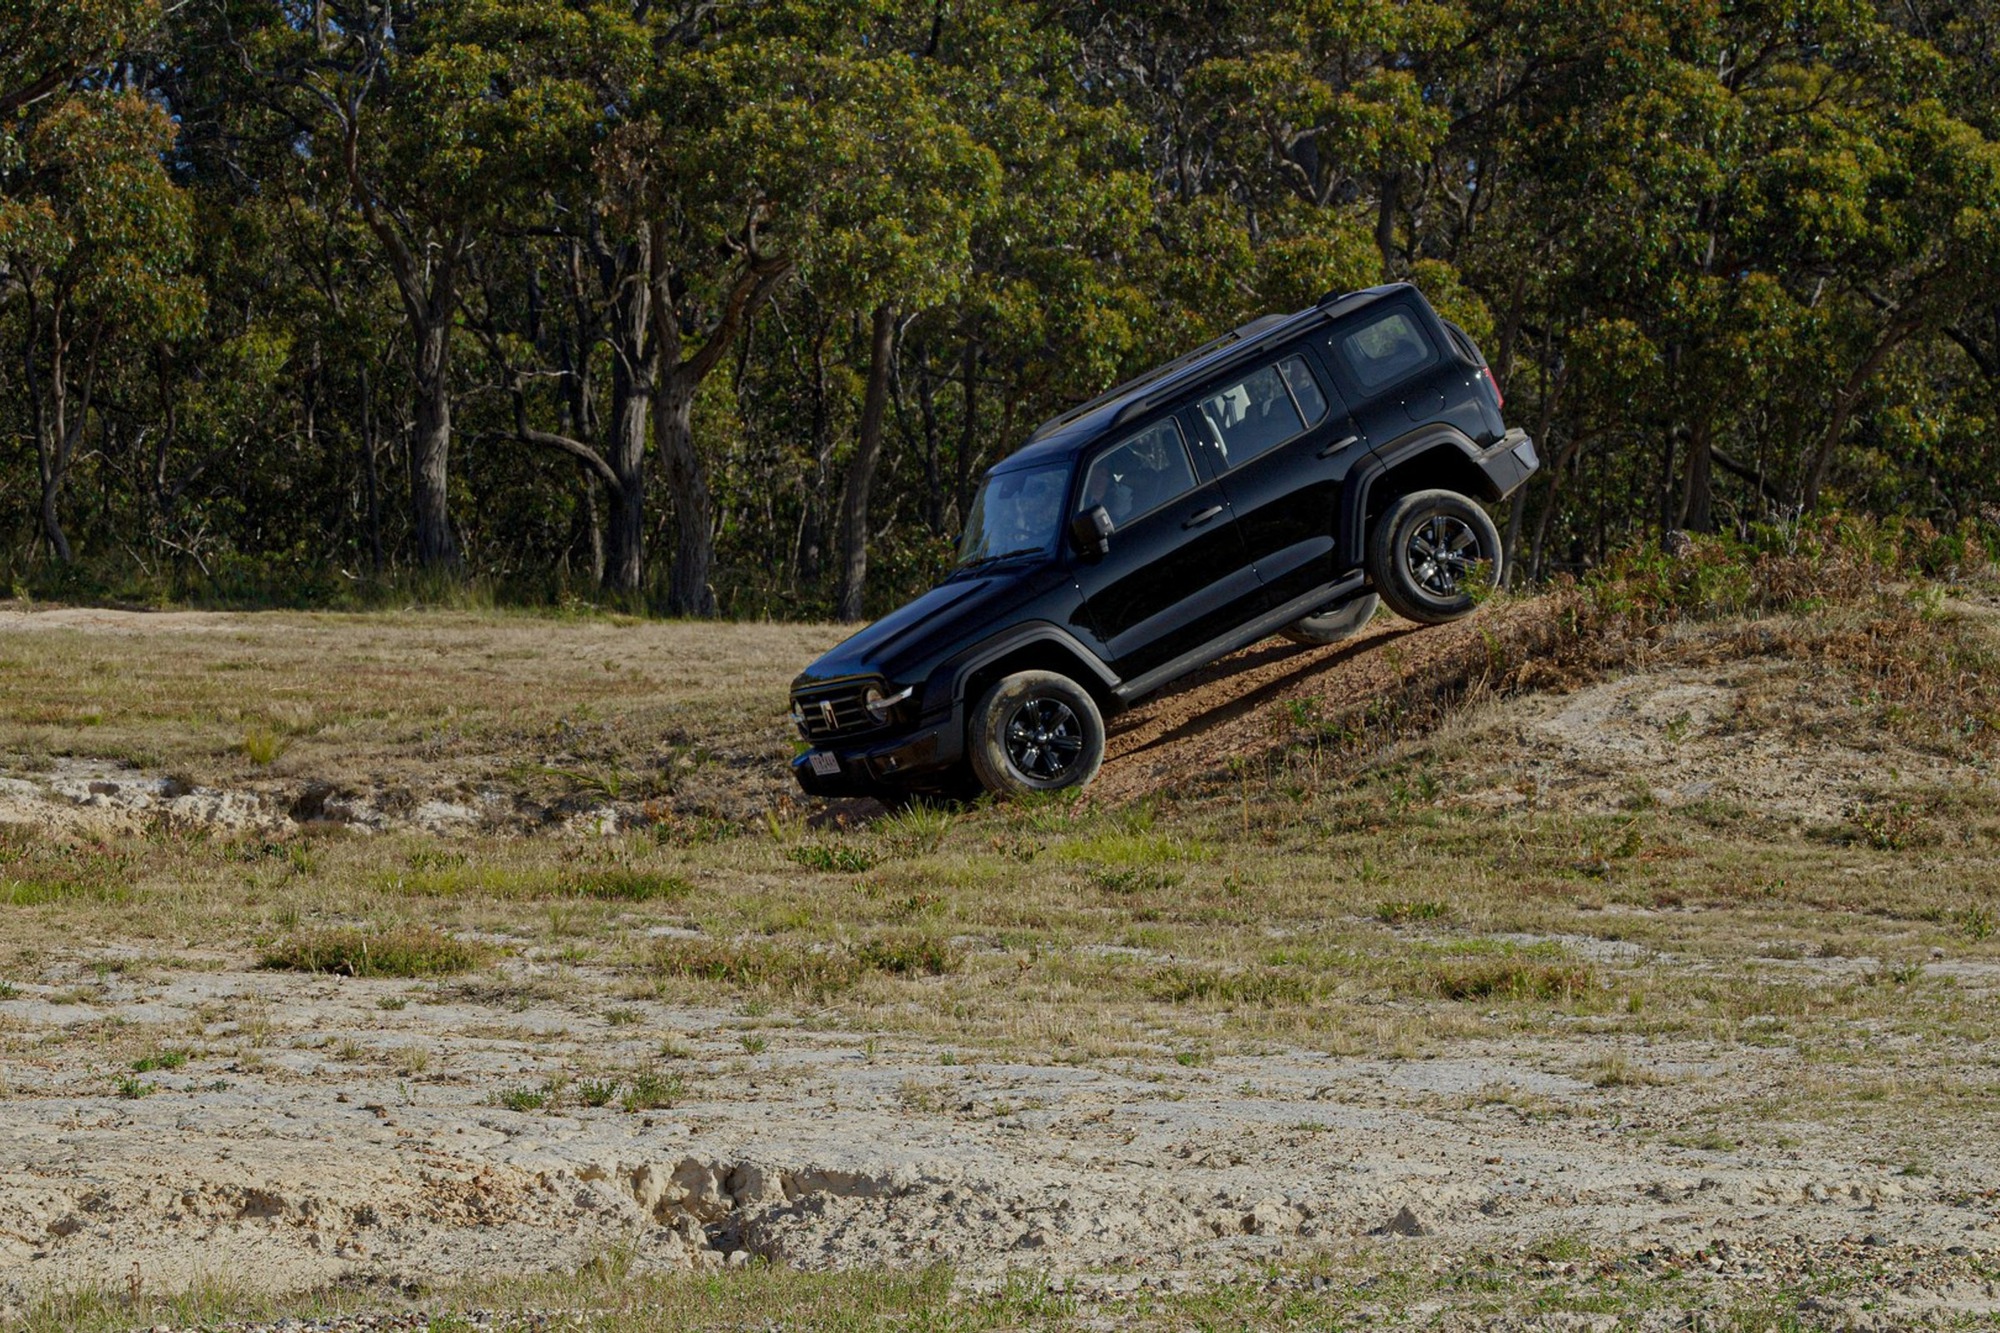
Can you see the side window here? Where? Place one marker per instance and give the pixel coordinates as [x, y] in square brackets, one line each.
[1139, 474]
[1263, 409]
[1385, 350]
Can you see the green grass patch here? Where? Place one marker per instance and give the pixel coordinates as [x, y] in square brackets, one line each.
[1497, 978]
[1263, 986]
[428, 878]
[647, 1091]
[167, 1059]
[397, 951]
[831, 858]
[804, 969]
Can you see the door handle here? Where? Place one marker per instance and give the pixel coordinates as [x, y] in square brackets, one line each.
[1338, 445]
[1203, 516]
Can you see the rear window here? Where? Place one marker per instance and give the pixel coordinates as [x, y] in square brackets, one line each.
[1385, 350]
[1262, 410]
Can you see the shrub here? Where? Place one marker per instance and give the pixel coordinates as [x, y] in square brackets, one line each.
[263, 746]
[912, 955]
[651, 1092]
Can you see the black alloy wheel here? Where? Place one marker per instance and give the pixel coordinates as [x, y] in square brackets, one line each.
[1431, 554]
[1440, 554]
[1034, 731]
[1044, 738]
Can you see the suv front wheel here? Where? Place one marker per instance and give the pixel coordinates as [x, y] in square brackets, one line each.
[1035, 731]
[1430, 553]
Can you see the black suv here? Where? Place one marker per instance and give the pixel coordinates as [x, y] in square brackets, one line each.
[1280, 479]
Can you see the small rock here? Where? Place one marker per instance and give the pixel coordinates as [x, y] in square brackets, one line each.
[1873, 1238]
[1407, 1222]
[1272, 1217]
[739, 1259]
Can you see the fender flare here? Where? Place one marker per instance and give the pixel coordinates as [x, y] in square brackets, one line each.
[1363, 476]
[947, 688]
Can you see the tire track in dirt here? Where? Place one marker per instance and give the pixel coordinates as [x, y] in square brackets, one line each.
[1231, 708]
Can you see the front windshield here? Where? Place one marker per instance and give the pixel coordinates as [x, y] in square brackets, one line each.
[1018, 512]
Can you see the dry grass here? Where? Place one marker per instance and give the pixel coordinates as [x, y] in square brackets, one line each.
[1424, 884]
[557, 709]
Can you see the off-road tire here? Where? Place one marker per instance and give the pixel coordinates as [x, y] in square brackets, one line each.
[1335, 623]
[1035, 731]
[1422, 554]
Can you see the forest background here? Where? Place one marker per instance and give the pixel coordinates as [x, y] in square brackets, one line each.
[721, 308]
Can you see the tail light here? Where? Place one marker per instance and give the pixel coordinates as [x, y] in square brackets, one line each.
[1487, 371]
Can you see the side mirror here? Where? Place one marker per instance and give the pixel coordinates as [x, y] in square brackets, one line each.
[1091, 531]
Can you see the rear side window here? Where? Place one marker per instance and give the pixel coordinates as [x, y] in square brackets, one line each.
[1385, 349]
[1262, 410]
[1139, 474]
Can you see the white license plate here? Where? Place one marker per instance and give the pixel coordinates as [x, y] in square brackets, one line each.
[826, 765]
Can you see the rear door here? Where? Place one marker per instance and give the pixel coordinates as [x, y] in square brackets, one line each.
[1178, 574]
[1282, 441]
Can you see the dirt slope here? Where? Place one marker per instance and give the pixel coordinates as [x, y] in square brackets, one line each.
[1234, 708]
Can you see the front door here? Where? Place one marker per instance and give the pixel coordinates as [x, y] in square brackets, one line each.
[1177, 575]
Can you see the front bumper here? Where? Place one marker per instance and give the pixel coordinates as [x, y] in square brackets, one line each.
[1509, 463]
[872, 766]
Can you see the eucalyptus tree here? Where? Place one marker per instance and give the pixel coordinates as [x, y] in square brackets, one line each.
[93, 234]
[442, 118]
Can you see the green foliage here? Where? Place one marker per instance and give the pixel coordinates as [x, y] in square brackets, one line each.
[245, 260]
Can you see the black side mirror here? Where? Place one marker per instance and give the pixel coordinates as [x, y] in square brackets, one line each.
[1091, 531]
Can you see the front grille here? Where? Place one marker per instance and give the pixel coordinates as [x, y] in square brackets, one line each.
[833, 712]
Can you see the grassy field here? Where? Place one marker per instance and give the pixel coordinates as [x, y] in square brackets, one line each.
[1629, 913]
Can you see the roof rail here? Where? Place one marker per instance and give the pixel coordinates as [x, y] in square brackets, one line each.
[1238, 334]
[1248, 334]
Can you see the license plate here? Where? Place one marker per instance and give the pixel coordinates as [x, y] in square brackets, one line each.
[826, 765]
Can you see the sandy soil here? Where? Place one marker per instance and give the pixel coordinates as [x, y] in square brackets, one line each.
[837, 1150]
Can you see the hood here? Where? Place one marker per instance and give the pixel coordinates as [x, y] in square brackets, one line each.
[902, 645]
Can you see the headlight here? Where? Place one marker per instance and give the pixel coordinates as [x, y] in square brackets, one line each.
[880, 705]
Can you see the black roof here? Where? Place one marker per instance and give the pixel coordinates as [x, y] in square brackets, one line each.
[1064, 434]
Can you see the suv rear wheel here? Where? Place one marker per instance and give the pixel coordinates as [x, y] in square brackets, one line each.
[1335, 622]
[1429, 553]
[1035, 731]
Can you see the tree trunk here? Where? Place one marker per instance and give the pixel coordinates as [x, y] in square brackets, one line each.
[634, 365]
[624, 568]
[1385, 222]
[1697, 489]
[688, 593]
[371, 475]
[861, 472]
[52, 531]
[430, 456]
[1843, 409]
[933, 477]
[968, 437]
